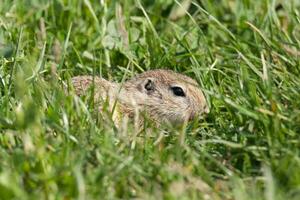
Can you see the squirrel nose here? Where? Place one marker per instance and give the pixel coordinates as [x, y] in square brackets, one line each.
[204, 112]
[194, 113]
[206, 109]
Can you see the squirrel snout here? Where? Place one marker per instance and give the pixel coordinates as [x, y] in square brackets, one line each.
[206, 109]
[200, 113]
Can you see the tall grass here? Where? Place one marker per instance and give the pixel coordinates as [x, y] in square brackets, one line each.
[244, 55]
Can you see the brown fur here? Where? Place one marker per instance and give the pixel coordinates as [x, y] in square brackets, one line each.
[160, 104]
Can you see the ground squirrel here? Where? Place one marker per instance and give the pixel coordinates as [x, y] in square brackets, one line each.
[163, 95]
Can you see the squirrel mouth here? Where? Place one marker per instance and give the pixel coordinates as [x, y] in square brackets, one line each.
[192, 115]
[200, 114]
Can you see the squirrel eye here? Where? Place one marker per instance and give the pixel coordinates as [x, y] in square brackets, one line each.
[149, 85]
[178, 91]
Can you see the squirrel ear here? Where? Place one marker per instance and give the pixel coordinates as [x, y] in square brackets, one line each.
[147, 86]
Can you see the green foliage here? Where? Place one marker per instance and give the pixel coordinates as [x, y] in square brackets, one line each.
[244, 54]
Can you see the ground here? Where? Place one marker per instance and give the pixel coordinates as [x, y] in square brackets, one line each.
[244, 54]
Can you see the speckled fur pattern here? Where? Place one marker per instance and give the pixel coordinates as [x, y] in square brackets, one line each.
[160, 103]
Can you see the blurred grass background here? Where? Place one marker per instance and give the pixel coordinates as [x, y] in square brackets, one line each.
[244, 54]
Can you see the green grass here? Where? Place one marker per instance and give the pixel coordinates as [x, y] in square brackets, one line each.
[244, 54]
